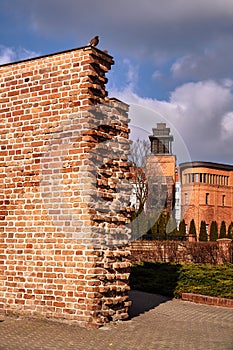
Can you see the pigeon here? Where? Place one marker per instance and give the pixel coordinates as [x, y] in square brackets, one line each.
[94, 41]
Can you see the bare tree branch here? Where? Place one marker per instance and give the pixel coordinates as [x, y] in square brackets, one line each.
[140, 149]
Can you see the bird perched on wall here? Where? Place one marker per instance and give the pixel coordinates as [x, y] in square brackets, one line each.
[94, 41]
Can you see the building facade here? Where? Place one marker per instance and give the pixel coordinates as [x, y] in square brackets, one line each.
[202, 191]
[177, 198]
[161, 170]
[206, 193]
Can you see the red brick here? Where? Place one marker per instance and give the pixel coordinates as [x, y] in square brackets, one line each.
[45, 270]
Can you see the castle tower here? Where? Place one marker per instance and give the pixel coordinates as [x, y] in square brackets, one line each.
[161, 140]
[161, 165]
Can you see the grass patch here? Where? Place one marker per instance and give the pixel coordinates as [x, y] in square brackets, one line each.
[172, 279]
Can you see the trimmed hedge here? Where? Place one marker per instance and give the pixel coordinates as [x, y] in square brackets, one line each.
[172, 279]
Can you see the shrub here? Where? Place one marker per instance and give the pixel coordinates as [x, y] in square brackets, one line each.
[139, 224]
[213, 231]
[230, 231]
[211, 280]
[192, 228]
[172, 228]
[203, 234]
[174, 279]
[182, 229]
[223, 233]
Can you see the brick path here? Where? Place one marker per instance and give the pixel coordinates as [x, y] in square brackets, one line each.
[169, 325]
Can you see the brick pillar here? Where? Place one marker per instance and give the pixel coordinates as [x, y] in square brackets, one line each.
[64, 190]
[224, 251]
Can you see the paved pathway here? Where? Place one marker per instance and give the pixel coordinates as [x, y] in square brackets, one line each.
[168, 325]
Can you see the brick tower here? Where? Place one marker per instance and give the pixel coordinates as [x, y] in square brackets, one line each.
[161, 165]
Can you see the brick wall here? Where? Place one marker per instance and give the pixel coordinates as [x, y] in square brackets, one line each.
[219, 252]
[64, 189]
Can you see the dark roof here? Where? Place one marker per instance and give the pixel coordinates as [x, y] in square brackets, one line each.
[210, 165]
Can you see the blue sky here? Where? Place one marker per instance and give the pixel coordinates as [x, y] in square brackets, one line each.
[173, 59]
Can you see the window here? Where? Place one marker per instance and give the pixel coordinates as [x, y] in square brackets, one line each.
[204, 178]
[214, 179]
[223, 200]
[207, 198]
[154, 193]
[155, 188]
[196, 178]
[211, 179]
[221, 183]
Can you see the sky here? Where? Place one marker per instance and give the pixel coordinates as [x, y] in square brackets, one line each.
[173, 60]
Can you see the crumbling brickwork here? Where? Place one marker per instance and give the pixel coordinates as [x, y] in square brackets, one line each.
[64, 190]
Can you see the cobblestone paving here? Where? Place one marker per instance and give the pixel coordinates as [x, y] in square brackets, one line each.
[170, 325]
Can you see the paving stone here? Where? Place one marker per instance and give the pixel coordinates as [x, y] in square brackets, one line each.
[164, 325]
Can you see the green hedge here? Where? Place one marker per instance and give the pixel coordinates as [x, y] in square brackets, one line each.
[172, 279]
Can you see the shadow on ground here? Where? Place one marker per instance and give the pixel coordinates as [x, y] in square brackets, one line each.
[142, 302]
[151, 284]
[155, 278]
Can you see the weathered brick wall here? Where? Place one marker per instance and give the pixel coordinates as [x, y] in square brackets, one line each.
[64, 189]
[219, 252]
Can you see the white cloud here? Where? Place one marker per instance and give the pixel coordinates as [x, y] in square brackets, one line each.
[195, 38]
[157, 75]
[227, 128]
[215, 61]
[23, 53]
[6, 55]
[131, 75]
[200, 115]
[9, 54]
[146, 28]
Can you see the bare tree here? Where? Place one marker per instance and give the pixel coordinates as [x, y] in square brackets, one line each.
[140, 149]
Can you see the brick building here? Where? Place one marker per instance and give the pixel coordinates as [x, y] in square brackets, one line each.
[63, 154]
[206, 193]
[193, 190]
[161, 170]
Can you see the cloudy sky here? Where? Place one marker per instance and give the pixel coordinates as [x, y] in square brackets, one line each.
[173, 59]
